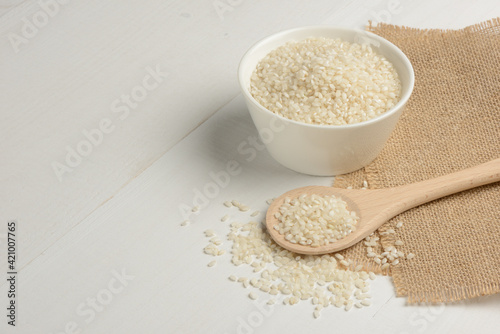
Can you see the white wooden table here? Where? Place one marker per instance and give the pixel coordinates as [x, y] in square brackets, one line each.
[114, 116]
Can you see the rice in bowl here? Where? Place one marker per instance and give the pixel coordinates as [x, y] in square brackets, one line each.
[325, 81]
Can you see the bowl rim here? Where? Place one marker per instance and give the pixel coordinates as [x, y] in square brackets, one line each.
[402, 101]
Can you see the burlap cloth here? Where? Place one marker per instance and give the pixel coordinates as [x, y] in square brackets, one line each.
[451, 122]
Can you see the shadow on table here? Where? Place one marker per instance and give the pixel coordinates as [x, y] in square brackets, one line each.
[231, 135]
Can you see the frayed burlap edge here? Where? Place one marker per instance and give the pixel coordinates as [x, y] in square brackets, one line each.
[482, 27]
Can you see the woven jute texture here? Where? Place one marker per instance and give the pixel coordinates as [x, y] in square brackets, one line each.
[451, 122]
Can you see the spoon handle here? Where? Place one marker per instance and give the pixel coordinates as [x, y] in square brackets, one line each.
[415, 194]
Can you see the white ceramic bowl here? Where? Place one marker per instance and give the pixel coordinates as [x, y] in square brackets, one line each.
[324, 149]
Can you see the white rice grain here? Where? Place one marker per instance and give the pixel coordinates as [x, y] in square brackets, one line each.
[244, 208]
[255, 213]
[209, 233]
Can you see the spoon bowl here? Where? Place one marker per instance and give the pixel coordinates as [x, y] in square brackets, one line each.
[377, 206]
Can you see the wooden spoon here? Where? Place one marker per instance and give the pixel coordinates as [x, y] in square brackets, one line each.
[375, 207]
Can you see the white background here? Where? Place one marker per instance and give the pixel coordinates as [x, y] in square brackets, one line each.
[118, 209]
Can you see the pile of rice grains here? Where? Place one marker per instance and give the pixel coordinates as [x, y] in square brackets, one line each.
[324, 280]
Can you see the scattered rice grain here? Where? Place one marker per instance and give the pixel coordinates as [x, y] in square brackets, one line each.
[209, 233]
[244, 208]
[255, 213]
